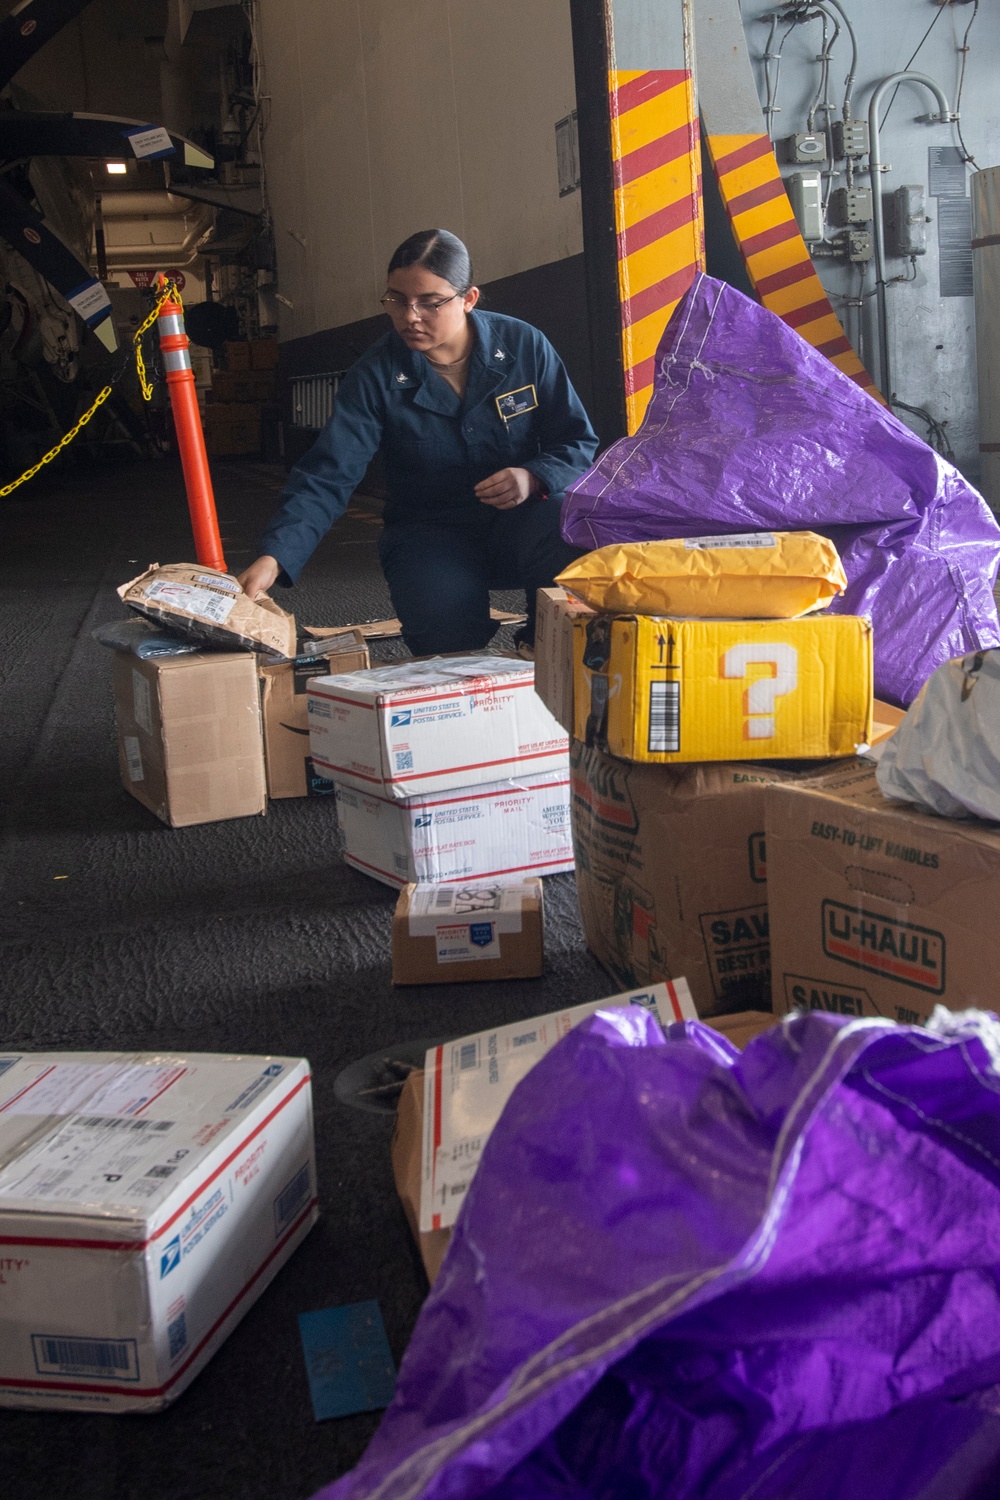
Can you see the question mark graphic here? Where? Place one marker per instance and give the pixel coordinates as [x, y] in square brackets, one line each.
[763, 691]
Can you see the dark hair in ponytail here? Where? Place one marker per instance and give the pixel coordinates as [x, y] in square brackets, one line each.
[442, 253]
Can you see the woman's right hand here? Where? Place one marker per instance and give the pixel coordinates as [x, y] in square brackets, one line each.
[259, 577]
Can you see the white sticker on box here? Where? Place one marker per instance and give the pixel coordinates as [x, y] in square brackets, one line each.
[133, 757]
[484, 901]
[142, 709]
[194, 601]
[468, 1082]
[99, 1088]
[229, 584]
[154, 141]
[738, 539]
[88, 1159]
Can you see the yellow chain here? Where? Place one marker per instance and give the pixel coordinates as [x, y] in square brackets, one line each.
[54, 452]
[169, 291]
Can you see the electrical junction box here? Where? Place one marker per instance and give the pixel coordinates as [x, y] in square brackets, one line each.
[806, 147]
[851, 205]
[805, 191]
[850, 138]
[906, 221]
[859, 246]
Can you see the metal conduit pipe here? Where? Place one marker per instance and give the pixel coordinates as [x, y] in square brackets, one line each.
[944, 116]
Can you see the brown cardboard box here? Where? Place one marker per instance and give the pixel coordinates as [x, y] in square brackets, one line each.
[878, 908]
[283, 706]
[408, 1135]
[263, 354]
[189, 735]
[236, 386]
[556, 611]
[232, 428]
[237, 354]
[449, 934]
[672, 876]
[407, 1146]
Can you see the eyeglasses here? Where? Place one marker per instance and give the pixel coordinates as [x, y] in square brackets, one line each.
[425, 307]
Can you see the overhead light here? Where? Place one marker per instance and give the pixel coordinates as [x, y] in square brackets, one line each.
[117, 168]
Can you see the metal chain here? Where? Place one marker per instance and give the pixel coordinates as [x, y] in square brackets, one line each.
[169, 291]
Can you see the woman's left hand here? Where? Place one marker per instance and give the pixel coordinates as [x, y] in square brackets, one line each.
[507, 488]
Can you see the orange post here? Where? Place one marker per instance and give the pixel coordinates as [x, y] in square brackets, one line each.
[174, 347]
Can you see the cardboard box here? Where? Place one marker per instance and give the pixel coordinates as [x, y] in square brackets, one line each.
[190, 745]
[210, 606]
[671, 873]
[264, 354]
[290, 771]
[556, 611]
[237, 354]
[146, 1201]
[232, 429]
[667, 691]
[430, 726]
[506, 828]
[878, 908]
[448, 934]
[239, 386]
[518, 1048]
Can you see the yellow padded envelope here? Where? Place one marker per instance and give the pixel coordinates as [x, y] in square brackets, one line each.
[667, 690]
[761, 575]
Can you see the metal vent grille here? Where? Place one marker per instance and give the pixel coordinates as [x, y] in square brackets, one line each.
[313, 398]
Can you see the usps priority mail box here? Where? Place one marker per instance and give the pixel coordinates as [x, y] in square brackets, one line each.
[429, 726]
[502, 829]
[145, 1203]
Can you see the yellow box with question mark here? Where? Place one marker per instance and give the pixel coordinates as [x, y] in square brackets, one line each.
[667, 690]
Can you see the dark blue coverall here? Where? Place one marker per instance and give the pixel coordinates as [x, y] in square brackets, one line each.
[442, 549]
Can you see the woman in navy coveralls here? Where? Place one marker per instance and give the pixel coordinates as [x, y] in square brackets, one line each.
[480, 432]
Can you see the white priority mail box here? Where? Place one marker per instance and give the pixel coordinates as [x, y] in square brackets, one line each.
[517, 827]
[145, 1203]
[468, 1082]
[429, 726]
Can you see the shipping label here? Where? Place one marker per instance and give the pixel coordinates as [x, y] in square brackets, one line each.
[738, 950]
[142, 708]
[204, 603]
[133, 757]
[898, 950]
[738, 539]
[482, 902]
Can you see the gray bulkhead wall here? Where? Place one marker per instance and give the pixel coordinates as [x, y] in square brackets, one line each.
[388, 117]
[931, 337]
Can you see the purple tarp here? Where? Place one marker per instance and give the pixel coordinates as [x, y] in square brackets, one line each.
[751, 428]
[682, 1271]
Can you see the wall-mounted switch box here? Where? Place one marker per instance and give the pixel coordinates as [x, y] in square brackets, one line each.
[850, 138]
[805, 190]
[851, 205]
[906, 221]
[807, 147]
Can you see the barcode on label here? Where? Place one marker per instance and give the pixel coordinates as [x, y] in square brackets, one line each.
[444, 899]
[664, 718]
[133, 757]
[468, 1056]
[115, 1359]
[161, 1171]
[118, 1122]
[739, 539]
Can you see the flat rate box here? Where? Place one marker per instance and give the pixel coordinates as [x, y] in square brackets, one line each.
[146, 1201]
[431, 726]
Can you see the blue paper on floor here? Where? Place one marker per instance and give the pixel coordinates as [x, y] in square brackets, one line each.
[348, 1359]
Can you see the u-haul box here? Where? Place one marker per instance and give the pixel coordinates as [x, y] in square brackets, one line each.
[428, 726]
[145, 1203]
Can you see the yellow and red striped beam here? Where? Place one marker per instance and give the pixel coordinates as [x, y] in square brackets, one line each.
[775, 253]
[656, 166]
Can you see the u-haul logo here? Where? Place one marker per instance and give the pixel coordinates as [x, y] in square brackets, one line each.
[899, 950]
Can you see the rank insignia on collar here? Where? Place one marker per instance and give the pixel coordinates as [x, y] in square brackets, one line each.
[402, 379]
[499, 354]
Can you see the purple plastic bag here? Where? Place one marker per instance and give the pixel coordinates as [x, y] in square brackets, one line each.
[685, 1271]
[751, 428]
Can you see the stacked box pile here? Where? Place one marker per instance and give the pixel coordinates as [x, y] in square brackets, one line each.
[242, 398]
[447, 770]
[681, 727]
